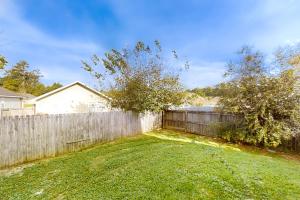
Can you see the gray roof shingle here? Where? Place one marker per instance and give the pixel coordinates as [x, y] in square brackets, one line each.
[7, 93]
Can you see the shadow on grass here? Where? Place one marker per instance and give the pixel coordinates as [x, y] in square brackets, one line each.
[178, 136]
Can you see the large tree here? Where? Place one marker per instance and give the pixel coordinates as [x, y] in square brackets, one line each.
[20, 78]
[263, 96]
[141, 79]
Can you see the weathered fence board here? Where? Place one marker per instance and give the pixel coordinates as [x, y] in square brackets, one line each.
[28, 138]
[199, 122]
[16, 112]
[194, 121]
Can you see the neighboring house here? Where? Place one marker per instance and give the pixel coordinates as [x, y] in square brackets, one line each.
[13, 100]
[12, 103]
[198, 103]
[10, 100]
[187, 107]
[73, 98]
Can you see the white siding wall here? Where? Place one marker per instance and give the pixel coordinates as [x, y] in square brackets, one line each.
[10, 103]
[74, 99]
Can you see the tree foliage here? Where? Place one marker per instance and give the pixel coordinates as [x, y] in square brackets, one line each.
[208, 91]
[267, 103]
[20, 79]
[287, 56]
[140, 78]
[3, 62]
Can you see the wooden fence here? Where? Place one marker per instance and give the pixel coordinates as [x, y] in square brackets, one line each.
[16, 112]
[28, 138]
[195, 121]
[200, 122]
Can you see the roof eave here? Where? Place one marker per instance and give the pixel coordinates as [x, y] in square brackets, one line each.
[67, 86]
[6, 96]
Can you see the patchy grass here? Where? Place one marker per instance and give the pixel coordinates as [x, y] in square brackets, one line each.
[158, 165]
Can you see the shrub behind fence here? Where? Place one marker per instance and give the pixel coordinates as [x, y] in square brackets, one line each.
[34, 137]
[204, 123]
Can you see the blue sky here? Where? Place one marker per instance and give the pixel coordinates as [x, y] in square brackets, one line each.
[55, 35]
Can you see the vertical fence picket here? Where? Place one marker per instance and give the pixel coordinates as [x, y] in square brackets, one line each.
[38, 136]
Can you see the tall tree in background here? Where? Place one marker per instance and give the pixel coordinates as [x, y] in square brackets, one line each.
[141, 79]
[210, 91]
[288, 57]
[20, 79]
[40, 88]
[267, 102]
[3, 62]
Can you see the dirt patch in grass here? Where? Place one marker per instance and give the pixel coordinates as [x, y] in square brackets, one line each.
[15, 170]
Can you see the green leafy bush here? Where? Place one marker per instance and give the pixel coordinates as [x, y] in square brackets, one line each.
[268, 103]
[229, 131]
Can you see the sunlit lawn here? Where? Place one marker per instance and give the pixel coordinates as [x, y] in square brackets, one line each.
[159, 165]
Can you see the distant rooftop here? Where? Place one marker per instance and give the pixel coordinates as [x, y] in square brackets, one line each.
[206, 108]
[7, 93]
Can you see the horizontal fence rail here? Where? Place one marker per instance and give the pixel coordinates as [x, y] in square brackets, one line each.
[202, 122]
[194, 121]
[16, 112]
[28, 138]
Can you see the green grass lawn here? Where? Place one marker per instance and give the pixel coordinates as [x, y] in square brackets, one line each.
[158, 165]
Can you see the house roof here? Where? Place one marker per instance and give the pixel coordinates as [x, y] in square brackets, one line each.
[10, 94]
[7, 93]
[66, 87]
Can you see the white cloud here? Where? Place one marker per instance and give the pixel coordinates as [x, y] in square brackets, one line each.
[59, 59]
[203, 73]
[265, 24]
[276, 23]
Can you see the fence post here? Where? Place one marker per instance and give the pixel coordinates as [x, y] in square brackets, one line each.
[38, 136]
[162, 119]
[185, 116]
